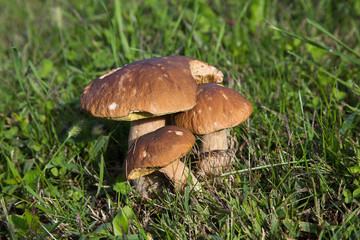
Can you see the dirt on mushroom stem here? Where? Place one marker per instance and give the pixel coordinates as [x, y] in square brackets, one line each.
[216, 153]
[214, 156]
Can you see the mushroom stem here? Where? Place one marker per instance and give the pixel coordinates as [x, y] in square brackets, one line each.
[214, 141]
[143, 126]
[150, 185]
[214, 153]
[177, 172]
[139, 128]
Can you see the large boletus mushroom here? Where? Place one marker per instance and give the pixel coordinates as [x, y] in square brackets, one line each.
[217, 109]
[145, 91]
[161, 150]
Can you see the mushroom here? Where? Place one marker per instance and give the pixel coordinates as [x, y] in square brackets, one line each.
[217, 108]
[144, 92]
[147, 92]
[161, 150]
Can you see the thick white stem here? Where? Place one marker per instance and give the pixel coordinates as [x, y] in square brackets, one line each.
[139, 128]
[214, 141]
[214, 153]
[144, 126]
[178, 173]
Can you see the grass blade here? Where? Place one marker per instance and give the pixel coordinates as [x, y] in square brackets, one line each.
[261, 167]
[316, 44]
[17, 66]
[218, 42]
[322, 29]
[34, 194]
[124, 41]
[101, 177]
[44, 86]
[351, 86]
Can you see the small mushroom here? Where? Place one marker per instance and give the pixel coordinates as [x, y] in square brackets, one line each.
[161, 150]
[217, 109]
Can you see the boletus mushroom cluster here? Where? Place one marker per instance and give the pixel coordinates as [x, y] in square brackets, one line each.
[167, 100]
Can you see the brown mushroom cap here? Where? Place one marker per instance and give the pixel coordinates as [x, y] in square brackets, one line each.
[147, 88]
[217, 107]
[157, 149]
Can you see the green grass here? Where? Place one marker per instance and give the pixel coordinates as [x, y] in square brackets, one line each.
[298, 168]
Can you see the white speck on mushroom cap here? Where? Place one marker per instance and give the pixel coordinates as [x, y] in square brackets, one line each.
[224, 96]
[133, 92]
[109, 72]
[144, 153]
[113, 106]
[121, 81]
[86, 89]
[179, 133]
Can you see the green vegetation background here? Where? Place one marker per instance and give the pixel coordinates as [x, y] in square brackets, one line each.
[298, 156]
